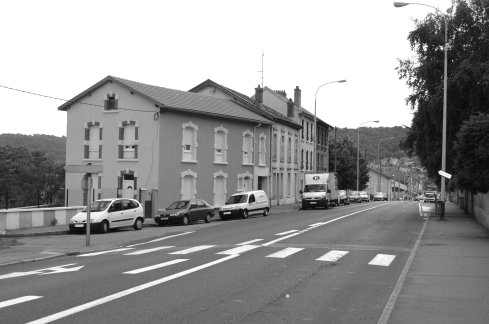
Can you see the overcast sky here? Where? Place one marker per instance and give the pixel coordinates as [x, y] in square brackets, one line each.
[60, 48]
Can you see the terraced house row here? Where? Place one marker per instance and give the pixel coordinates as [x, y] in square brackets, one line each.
[160, 145]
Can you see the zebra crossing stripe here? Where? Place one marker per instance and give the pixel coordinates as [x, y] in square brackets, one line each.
[239, 249]
[383, 260]
[18, 301]
[193, 249]
[284, 253]
[156, 266]
[332, 256]
[149, 250]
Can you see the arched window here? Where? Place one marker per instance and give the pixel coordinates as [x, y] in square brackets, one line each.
[247, 147]
[189, 142]
[220, 144]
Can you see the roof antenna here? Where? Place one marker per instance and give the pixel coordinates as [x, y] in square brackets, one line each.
[261, 71]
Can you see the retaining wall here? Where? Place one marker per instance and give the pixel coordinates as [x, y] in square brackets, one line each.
[13, 219]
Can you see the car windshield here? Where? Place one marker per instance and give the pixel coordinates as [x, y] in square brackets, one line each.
[314, 188]
[378, 194]
[363, 192]
[98, 206]
[342, 192]
[237, 199]
[354, 193]
[429, 195]
[181, 204]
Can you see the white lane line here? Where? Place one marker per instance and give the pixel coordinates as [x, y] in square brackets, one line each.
[249, 242]
[97, 302]
[284, 253]
[161, 239]
[288, 232]
[18, 301]
[239, 250]
[332, 256]
[383, 260]
[316, 224]
[156, 266]
[104, 252]
[149, 250]
[193, 249]
[324, 223]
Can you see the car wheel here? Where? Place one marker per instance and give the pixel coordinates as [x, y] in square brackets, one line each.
[138, 224]
[265, 212]
[207, 218]
[245, 214]
[185, 220]
[104, 228]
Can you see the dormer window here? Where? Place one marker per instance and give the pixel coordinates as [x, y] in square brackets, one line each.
[111, 101]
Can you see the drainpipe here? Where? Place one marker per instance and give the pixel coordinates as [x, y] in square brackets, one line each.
[270, 190]
[254, 152]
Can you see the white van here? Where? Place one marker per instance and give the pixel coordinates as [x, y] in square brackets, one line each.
[247, 203]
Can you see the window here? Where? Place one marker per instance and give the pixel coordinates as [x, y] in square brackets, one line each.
[296, 155]
[302, 130]
[93, 141]
[111, 101]
[282, 147]
[128, 140]
[274, 146]
[245, 182]
[247, 147]
[262, 149]
[289, 149]
[189, 142]
[220, 145]
[189, 185]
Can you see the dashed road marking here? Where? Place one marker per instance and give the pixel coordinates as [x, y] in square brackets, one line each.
[156, 266]
[239, 250]
[383, 260]
[193, 249]
[104, 252]
[288, 232]
[249, 242]
[149, 250]
[18, 301]
[284, 253]
[332, 256]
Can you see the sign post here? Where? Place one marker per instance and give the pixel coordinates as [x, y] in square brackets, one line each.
[86, 185]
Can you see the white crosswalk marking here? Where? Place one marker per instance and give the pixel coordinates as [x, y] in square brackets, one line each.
[18, 301]
[104, 252]
[149, 250]
[249, 242]
[156, 266]
[332, 256]
[239, 250]
[193, 249]
[284, 253]
[383, 260]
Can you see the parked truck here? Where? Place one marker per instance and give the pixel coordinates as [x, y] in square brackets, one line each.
[320, 190]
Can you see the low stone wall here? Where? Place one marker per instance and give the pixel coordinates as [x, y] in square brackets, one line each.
[480, 208]
[13, 219]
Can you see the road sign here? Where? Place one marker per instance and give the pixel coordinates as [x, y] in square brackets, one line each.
[444, 174]
[83, 168]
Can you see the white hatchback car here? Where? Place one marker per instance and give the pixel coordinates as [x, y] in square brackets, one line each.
[106, 214]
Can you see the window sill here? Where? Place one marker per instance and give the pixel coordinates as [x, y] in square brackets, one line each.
[127, 160]
[221, 163]
[111, 111]
[189, 161]
[92, 160]
[247, 164]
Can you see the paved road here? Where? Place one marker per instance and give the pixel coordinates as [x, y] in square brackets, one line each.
[340, 265]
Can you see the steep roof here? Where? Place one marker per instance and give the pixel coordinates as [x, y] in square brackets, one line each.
[249, 103]
[178, 100]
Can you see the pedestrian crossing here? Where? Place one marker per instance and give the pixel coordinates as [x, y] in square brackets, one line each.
[332, 256]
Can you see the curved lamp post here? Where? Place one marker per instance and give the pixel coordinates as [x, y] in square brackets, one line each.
[315, 123]
[358, 151]
[444, 135]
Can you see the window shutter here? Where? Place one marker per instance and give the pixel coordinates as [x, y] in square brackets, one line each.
[87, 134]
[120, 152]
[136, 151]
[100, 151]
[135, 183]
[119, 182]
[100, 134]
[85, 153]
[121, 133]
[106, 104]
[136, 133]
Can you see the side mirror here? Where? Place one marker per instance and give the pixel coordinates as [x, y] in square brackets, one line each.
[301, 192]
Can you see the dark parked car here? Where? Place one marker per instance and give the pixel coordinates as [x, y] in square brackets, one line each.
[354, 196]
[343, 196]
[185, 211]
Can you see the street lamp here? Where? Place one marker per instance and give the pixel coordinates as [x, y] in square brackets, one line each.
[378, 159]
[315, 123]
[444, 134]
[358, 151]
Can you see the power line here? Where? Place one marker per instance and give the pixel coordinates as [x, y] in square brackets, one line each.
[80, 102]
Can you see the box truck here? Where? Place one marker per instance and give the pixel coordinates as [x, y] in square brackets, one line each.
[320, 190]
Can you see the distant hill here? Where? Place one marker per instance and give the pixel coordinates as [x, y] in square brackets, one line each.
[54, 146]
[370, 137]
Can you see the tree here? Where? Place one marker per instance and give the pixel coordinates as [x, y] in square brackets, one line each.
[468, 79]
[346, 164]
[472, 154]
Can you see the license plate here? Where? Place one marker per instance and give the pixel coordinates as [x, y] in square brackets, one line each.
[164, 218]
[78, 225]
[227, 213]
[312, 202]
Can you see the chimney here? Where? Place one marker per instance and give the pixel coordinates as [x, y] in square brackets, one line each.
[290, 108]
[297, 97]
[259, 95]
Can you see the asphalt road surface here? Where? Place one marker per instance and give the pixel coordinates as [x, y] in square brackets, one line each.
[338, 265]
